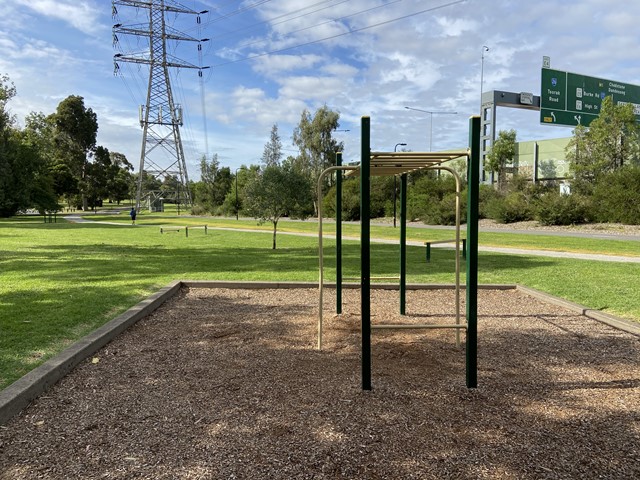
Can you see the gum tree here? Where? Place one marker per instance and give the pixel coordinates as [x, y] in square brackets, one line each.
[278, 191]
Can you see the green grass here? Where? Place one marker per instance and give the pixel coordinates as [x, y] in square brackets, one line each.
[514, 240]
[60, 281]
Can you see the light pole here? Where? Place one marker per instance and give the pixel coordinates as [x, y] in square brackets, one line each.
[395, 182]
[484, 49]
[431, 114]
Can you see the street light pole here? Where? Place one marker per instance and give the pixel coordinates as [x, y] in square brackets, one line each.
[431, 113]
[484, 49]
[395, 183]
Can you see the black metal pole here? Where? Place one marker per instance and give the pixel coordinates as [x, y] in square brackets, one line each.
[365, 253]
[403, 243]
[473, 187]
[339, 234]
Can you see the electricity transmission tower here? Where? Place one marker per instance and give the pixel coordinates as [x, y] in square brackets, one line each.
[162, 155]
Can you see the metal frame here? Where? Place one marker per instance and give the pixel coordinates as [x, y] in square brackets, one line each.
[400, 163]
[457, 268]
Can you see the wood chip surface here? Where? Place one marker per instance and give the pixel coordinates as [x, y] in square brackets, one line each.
[227, 384]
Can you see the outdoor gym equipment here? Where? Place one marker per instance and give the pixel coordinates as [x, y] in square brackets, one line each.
[401, 163]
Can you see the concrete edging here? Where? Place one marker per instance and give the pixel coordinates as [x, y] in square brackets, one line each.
[611, 320]
[23, 391]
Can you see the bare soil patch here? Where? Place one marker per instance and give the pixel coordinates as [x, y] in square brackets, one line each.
[224, 383]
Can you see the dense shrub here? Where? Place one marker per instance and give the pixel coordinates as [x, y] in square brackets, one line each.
[512, 207]
[432, 200]
[616, 196]
[443, 212]
[198, 210]
[416, 206]
[553, 208]
[487, 195]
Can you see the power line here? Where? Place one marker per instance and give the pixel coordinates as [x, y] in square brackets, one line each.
[238, 11]
[386, 22]
[233, 32]
[323, 23]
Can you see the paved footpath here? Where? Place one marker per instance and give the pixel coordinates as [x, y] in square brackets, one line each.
[505, 250]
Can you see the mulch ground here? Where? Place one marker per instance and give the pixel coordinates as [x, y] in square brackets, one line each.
[228, 384]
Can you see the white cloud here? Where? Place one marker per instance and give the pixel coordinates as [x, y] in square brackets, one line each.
[455, 27]
[274, 65]
[82, 15]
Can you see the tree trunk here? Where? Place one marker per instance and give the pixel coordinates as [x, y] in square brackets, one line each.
[275, 225]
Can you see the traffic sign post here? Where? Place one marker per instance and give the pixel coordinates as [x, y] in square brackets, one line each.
[571, 99]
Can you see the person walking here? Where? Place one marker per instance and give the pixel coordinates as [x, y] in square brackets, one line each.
[132, 214]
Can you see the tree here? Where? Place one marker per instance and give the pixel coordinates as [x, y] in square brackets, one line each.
[214, 185]
[277, 191]
[76, 130]
[97, 176]
[272, 149]
[120, 180]
[24, 179]
[502, 154]
[317, 147]
[234, 201]
[611, 141]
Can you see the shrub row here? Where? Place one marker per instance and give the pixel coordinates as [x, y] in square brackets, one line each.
[615, 198]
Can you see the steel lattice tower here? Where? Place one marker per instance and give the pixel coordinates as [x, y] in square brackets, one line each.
[160, 117]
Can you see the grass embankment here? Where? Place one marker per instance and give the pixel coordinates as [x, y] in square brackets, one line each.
[60, 281]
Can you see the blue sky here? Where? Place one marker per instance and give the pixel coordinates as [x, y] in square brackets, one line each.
[431, 61]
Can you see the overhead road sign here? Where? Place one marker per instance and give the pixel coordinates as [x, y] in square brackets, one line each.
[571, 99]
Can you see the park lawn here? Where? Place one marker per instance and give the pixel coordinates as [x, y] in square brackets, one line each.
[60, 281]
[489, 239]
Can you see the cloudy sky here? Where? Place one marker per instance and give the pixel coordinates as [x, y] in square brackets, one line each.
[270, 59]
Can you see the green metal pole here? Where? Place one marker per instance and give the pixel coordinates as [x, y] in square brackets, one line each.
[403, 243]
[365, 253]
[473, 188]
[339, 234]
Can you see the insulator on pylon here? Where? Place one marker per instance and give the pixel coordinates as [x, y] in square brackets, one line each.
[160, 115]
[178, 114]
[140, 114]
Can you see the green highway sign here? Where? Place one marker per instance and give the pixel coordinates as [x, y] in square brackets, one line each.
[571, 99]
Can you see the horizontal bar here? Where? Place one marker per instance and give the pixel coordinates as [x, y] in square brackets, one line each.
[416, 326]
[372, 278]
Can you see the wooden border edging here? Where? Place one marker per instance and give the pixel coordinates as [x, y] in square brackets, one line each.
[611, 320]
[24, 390]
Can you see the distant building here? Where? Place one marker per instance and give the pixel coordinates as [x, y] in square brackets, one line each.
[542, 159]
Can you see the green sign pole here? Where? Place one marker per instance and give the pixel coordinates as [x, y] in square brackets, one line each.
[365, 253]
[473, 188]
[403, 243]
[339, 234]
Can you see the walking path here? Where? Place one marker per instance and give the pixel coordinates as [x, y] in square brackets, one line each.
[504, 250]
